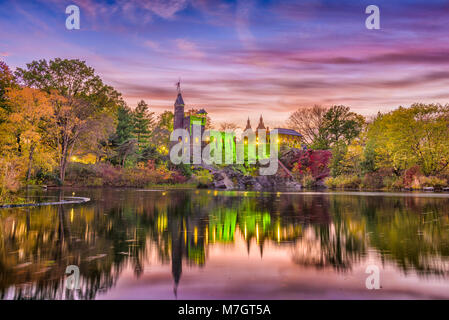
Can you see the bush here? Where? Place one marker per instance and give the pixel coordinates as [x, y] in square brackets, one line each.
[203, 177]
[433, 181]
[343, 182]
[105, 174]
[379, 179]
[10, 173]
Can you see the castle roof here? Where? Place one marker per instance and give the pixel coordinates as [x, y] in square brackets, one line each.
[248, 125]
[289, 132]
[179, 101]
[261, 125]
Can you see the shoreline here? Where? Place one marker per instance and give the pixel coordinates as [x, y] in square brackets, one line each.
[40, 204]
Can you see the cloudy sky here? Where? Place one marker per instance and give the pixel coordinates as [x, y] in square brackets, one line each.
[244, 58]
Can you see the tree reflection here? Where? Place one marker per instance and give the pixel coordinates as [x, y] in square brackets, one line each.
[124, 229]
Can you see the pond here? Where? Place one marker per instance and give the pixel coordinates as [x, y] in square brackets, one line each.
[206, 244]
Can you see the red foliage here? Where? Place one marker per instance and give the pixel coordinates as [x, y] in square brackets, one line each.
[410, 174]
[314, 161]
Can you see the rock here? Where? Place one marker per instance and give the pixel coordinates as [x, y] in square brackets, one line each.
[293, 185]
[224, 182]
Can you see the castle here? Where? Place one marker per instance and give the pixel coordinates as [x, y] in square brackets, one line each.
[286, 137]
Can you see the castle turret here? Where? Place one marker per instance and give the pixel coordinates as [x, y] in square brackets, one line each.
[178, 121]
[248, 125]
[261, 124]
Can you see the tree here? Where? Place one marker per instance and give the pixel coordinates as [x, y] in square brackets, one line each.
[412, 136]
[308, 122]
[79, 99]
[165, 120]
[339, 125]
[29, 108]
[125, 124]
[227, 126]
[7, 80]
[160, 136]
[143, 123]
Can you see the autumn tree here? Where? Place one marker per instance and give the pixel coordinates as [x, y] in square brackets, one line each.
[412, 136]
[29, 110]
[308, 122]
[7, 80]
[79, 99]
[161, 133]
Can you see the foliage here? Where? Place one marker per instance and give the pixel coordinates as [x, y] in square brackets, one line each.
[79, 100]
[7, 80]
[310, 166]
[339, 126]
[343, 182]
[10, 171]
[412, 136]
[143, 123]
[30, 109]
[125, 125]
[104, 174]
[203, 177]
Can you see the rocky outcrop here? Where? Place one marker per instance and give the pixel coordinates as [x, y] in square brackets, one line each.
[230, 178]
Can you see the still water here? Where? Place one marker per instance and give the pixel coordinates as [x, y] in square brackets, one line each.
[200, 244]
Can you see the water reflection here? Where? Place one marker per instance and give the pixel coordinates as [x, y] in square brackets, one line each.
[129, 229]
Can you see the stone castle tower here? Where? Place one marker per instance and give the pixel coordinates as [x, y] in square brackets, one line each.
[178, 121]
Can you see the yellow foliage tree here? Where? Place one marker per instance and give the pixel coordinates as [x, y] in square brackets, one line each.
[30, 109]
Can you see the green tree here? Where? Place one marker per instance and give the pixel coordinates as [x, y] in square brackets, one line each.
[339, 126]
[143, 123]
[125, 124]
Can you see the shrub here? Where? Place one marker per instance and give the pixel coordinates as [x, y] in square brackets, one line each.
[203, 177]
[343, 181]
[308, 180]
[384, 177]
[10, 173]
[330, 183]
[433, 181]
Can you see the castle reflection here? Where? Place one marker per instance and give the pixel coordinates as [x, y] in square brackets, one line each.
[122, 229]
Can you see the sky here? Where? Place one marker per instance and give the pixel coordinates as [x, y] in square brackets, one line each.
[240, 59]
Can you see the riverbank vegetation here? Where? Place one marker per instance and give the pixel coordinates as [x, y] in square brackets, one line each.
[406, 148]
[60, 124]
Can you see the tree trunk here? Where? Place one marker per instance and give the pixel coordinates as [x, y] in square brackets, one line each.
[30, 161]
[63, 164]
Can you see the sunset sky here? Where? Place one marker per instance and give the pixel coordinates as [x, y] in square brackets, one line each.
[239, 59]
